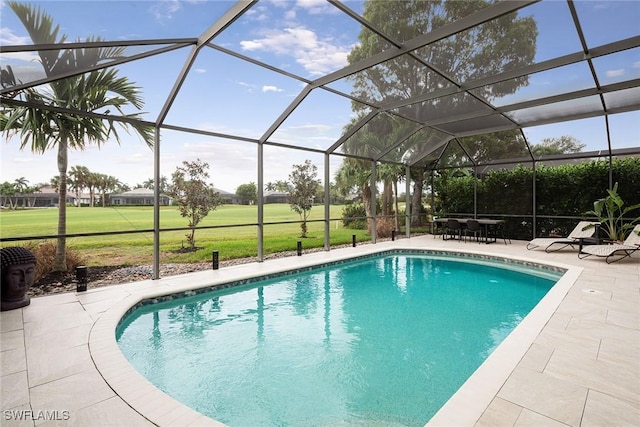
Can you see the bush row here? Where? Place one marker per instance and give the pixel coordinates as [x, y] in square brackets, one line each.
[560, 191]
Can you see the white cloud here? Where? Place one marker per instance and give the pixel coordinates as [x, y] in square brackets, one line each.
[316, 56]
[271, 89]
[316, 128]
[615, 73]
[311, 135]
[280, 3]
[257, 13]
[200, 70]
[316, 6]
[636, 65]
[7, 37]
[250, 87]
[165, 9]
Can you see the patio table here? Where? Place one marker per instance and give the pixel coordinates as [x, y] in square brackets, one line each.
[490, 225]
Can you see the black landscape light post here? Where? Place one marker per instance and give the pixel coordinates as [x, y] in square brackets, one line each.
[215, 263]
[353, 240]
[393, 235]
[82, 278]
[299, 248]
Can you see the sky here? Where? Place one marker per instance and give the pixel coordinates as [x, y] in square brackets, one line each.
[308, 38]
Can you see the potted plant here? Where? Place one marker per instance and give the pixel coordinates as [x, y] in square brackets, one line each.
[611, 212]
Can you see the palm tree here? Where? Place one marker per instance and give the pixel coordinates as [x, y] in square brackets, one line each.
[105, 183]
[43, 129]
[150, 184]
[29, 193]
[7, 190]
[77, 180]
[21, 184]
[92, 181]
[390, 175]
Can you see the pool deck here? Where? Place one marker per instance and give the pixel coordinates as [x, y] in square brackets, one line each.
[574, 362]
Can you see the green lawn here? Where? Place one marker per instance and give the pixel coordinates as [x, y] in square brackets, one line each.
[232, 241]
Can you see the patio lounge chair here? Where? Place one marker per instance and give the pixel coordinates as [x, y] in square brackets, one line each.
[582, 230]
[611, 252]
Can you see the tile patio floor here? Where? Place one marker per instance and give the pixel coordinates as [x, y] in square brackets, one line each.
[579, 367]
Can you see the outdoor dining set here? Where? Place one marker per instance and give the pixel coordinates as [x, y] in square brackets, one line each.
[586, 237]
[481, 229]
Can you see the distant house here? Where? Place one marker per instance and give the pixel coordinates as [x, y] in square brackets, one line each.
[47, 197]
[228, 198]
[276, 197]
[138, 197]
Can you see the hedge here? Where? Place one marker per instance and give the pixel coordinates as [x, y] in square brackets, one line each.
[561, 191]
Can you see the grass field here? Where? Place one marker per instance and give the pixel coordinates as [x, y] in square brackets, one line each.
[231, 240]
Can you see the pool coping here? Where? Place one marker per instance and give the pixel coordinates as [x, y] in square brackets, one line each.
[465, 407]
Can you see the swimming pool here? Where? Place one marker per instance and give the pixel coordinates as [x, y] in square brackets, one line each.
[326, 346]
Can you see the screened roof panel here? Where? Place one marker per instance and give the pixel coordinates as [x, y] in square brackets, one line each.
[479, 125]
[454, 156]
[398, 84]
[558, 110]
[451, 108]
[307, 39]
[475, 53]
[27, 67]
[243, 103]
[546, 83]
[378, 136]
[619, 122]
[588, 134]
[111, 20]
[431, 143]
[495, 146]
[164, 67]
[431, 160]
[605, 21]
[402, 153]
[556, 30]
[152, 96]
[316, 123]
[618, 67]
[621, 99]
[422, 16]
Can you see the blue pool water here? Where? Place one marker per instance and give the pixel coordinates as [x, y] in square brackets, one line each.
[381, 341]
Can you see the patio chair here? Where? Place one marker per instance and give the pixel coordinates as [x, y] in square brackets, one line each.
[502, 229]
[473, 228]
[610, 252]
[582, 230]
[453, 228]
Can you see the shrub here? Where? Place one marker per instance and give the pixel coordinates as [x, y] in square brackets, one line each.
[45, 254]
[354, 216]
[384, 227]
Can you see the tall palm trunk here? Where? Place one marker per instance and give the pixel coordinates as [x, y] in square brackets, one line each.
[366, 200]
[61, 258]
[416, 198]
[397, 206]
[387, 199]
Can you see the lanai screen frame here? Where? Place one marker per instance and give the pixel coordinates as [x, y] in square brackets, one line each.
[397, 49]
